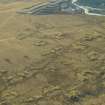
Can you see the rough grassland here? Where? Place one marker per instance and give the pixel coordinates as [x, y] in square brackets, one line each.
[51, 60]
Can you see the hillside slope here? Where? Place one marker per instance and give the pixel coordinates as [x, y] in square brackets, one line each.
[51, 60]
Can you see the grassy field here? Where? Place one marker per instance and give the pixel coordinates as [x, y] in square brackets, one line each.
[15, 5]
[51, 60]
[12, 1]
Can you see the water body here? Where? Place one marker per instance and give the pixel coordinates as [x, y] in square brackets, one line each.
[91, 7]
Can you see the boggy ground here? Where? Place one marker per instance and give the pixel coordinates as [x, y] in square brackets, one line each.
[52, 60]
